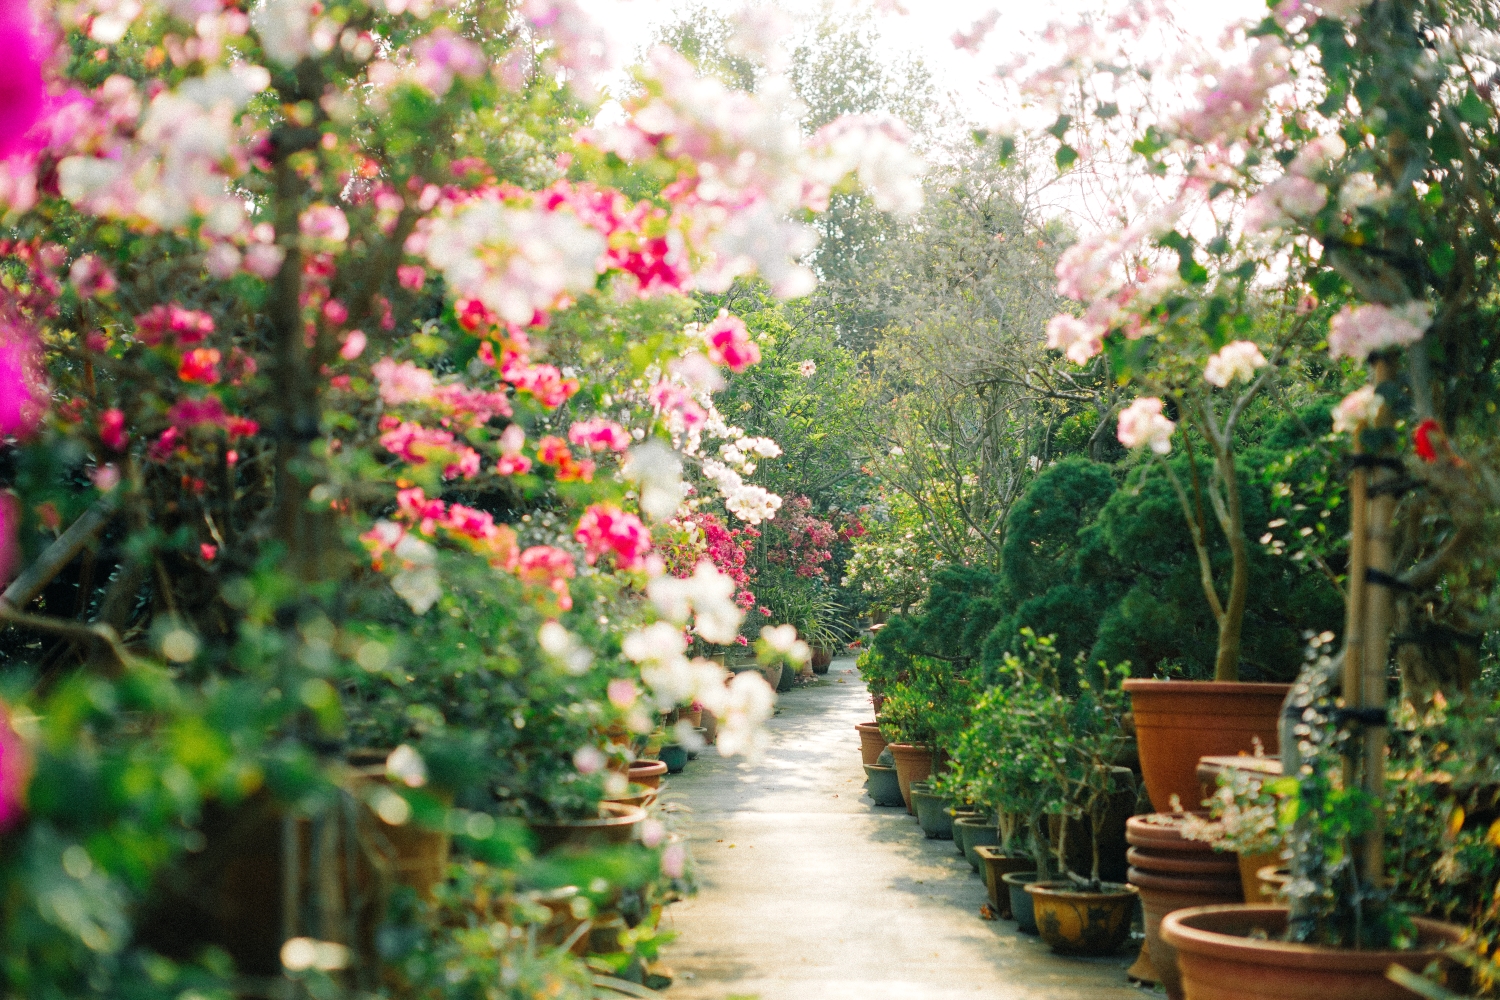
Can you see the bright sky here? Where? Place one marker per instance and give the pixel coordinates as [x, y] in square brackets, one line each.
[926, 27]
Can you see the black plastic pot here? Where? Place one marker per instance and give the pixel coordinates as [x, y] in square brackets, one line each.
[883, 786]
[932, 813]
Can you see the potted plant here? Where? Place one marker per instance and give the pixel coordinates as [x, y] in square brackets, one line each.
[924, 712]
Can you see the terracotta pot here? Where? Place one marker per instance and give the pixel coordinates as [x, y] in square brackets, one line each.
[883, 786]
[1076, 921]
[1220, 867]
[1163, 832]
[878, 700]
[932, 813]
[870, 741]
[1164, 894]
[1219, 960]
[693, 717]
[1179, 722]
[772, 674]
[821, 658]
[997, 865]
[634, 795]
[616, 825]
[1256, 889]
[710, 728]
[913, 763]
[1021, 909]
[647, 772]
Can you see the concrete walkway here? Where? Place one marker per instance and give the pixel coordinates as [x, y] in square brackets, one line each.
[808, 891]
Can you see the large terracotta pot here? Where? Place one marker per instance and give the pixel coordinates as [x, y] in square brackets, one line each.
[1179, 722]
[870, 742]
[647, 772]
[615, 825]
[1220, 960]
[913, 763]
[1163, 894]
[1079, 922]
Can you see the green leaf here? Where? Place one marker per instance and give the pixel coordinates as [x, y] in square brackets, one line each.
[1442, 260]
[1474, 111]
[1060, 127]
[1151, 143]
[1066, 156]
[1108, 111]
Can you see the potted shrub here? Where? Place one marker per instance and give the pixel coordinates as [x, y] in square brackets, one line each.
[923, 713]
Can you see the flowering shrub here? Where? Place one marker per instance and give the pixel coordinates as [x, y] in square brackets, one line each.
[327, 331]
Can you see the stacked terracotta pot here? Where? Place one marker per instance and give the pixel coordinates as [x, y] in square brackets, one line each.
[1171, 873]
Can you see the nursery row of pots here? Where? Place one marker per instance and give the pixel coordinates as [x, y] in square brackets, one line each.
[1212, 927]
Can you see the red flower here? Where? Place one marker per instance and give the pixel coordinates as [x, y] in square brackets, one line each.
[1423, 438]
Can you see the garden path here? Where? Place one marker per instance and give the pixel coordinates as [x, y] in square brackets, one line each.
[810, 892]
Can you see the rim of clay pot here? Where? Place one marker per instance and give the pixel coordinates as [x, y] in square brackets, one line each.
[1206, 930]
[1230, 890]
[867, 727]
[635, 795]
[909, 748]
[1163, 686]
[1162, 831]
[1071, 893]
[1021, 879]
[619, 814]
[648, 767]
[1181, 863]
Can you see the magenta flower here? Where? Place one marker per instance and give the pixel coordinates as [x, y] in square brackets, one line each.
[10, 517]
[21, 90]
[22, 399]
[15, 769]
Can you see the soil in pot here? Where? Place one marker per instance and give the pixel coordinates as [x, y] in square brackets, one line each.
[675, 756]
[1074, 920]
[913, 763]
[1235, 953]
[997, 864]
[1179, 722]
[979, 832]
[933, 814]
[616, 825]
[870, 742]
[647, 772]
[1021, 910]
[883, 786]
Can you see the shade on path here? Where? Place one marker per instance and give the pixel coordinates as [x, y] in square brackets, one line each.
[810, 892]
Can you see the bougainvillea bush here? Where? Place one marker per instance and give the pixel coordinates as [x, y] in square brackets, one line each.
[345, 370]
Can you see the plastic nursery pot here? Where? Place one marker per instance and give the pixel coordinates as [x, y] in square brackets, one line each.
[978, 832]
[913, 763]
[870, 741]
[647, 772]
[1079, 921]
[883, 786]
[933, 814]
[1179, 722]
[997, 865]
[616, 825]
[675, 756]
[1235, 953]
[1021, 910]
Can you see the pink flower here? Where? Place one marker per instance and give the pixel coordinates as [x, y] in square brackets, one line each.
[1359, 331]
[403, 382]
[418, 445]
[729, 343]
[411, 276]
[324, 223]
[208, 552]
[1142, 423]
[674, 401]
[605, 529]
[1359, 408]
[674, 860]
[354, 345]
[622, 693]
[1237, 360]
[200, 366]
[335, 312]
[1078, 338]
[443, 55]
[599, 434]
[23, 397]
[186, 326]
[22, 92]
[112, 432]
[91, 276]
[15, 762]
[543, 565]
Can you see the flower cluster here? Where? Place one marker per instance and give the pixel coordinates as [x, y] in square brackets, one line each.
[801, 541]
[1142, 423]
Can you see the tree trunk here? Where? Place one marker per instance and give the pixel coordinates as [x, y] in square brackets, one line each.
[1232, 622]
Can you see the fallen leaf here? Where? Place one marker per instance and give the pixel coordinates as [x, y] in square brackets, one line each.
[986, 913]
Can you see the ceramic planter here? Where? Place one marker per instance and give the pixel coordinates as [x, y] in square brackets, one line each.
[996, 866]
[822, 656]
[772, 674]
[960, 832]
[692, 716]
[675, 756]
[913, 763]
[883, 786]
[1162, 894]
[786, 681]
[710, 728]
[978, 833]
[1077, 921]
[1021, 910]
[1179, 722]
[647, 772]
[1220, 959]
[870, 741]
[634, 795]
[933, 814]
[616, 825]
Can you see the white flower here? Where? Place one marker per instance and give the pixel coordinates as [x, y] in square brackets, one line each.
[417, 583]
[749, 704]
[1281, 201]
[1360, 191]
[1237, 360]
[1359, 331]
[808, 368]
[779, 637]
[660, 642]
[285, 29]
[1317, 155]
[406, 766]
[1357, 409]
[657, 470]
[707, 592]
[1142, 423]
[563, 646]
